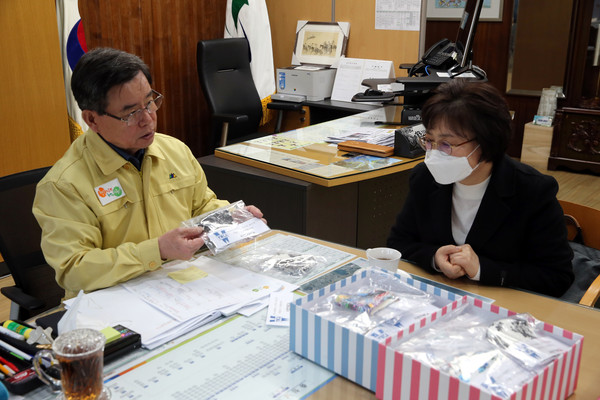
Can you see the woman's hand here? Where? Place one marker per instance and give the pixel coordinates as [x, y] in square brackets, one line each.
[443, 260]
[467, 259]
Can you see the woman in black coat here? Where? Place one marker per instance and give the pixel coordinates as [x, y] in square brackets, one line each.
[474, 211]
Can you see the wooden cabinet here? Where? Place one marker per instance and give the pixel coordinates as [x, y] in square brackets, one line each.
[576, 140]
[576, 136]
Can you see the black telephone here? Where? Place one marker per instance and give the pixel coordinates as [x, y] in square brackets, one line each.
[441, 55]
[406, 141]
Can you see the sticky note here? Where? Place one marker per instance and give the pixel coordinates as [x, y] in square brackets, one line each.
[110, 334]
[189, 274]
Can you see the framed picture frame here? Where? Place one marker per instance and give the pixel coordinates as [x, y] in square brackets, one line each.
[453, 10]
[320, 43]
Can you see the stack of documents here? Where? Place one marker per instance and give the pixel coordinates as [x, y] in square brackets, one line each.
[382, 137]
[177, 298]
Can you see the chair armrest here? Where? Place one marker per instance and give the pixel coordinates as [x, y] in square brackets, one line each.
[231, 118]
[285, 106]
[406, 66]
[592, 294]
[21, 298]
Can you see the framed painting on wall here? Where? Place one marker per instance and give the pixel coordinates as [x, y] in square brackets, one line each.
[453, 10]
[320, 43]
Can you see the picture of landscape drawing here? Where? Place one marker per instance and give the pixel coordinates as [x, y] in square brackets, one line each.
[318, 43]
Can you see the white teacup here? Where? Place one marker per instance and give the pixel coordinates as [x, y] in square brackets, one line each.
[384, 257]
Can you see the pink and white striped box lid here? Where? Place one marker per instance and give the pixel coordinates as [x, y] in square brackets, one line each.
[402, 377]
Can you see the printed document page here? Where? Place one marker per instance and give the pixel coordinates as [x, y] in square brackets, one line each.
[352, 71]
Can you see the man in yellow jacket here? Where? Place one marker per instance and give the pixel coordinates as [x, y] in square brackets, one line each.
[111, 207]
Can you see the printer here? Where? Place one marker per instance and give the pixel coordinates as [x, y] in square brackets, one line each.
[319, 46]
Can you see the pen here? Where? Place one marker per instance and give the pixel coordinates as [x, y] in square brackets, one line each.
[16, 351]
[6, 370]
[18, 344]
[12, 334]
[8, 363]
[16, 355]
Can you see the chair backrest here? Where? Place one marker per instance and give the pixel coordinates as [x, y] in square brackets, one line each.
[20, 237]
[226, 80]
[589, 220]
[586, 260]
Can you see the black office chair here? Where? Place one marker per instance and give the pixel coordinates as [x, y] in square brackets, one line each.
[226, 80]
[35, 288]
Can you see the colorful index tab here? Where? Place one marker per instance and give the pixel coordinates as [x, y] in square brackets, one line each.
[111, 334]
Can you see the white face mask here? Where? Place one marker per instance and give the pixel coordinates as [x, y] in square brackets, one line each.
[448, 169]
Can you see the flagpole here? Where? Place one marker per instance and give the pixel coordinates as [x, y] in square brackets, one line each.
[332, 10]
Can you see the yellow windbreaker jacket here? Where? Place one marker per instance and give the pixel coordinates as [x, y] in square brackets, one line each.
[101, 217]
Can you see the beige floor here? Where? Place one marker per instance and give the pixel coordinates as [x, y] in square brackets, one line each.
[4, 302]
[574, 187]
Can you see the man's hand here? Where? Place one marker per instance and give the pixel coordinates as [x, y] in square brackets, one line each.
[256, 212]
[443, 260]
[180, 243]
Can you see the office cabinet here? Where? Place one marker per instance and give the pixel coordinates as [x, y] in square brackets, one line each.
[576, 140]
[576, 136]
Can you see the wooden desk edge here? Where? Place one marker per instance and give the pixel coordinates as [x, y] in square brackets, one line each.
[315, 179]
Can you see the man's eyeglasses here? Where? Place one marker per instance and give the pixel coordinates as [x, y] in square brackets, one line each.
[134, 117]
[444, 147]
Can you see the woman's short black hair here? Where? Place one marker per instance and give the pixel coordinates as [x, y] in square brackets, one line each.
[101, 69]
[471, 110]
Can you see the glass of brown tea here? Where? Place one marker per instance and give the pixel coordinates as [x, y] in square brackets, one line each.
[80, 357]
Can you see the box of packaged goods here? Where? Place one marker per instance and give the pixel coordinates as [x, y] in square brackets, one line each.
[345, 326]
[480, 351]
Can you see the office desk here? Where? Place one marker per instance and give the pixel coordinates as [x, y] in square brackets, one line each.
[579, 319]
[294, 179]
[327, 110]
[569, 316]
[573, 317]
[304, 154]
[322, 111]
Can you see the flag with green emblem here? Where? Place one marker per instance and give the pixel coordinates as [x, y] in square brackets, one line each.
[250, 19]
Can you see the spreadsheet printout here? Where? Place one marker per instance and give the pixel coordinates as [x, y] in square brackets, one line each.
[243, 358]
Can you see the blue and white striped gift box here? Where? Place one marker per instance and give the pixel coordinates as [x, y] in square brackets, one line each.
[347, 353]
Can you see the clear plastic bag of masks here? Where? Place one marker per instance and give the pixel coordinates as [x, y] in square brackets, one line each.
[377, 307]
[496, 354]
[228, 227]
[287, 265]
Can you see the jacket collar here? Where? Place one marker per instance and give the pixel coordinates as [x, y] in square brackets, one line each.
[107, 159]
[440, 206]
[495, 205]
[503, 177]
